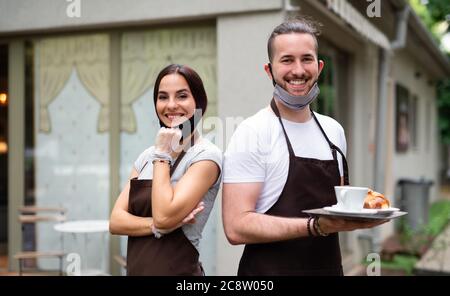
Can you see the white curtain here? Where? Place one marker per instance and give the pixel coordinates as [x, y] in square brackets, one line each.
[89, 54]
[144, 54]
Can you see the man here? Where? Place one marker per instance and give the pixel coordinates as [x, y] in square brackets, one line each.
[283, 160]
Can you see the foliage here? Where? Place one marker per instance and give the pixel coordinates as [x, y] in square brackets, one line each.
[443, 101]
[436, 16]
[438, 217]
[401, 262]
[439, 9]
[417, 241]
[422, 11]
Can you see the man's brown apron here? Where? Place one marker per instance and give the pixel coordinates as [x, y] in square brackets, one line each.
[172, 254]
[310, 184]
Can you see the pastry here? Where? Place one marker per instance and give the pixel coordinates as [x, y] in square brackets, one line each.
[376, 200]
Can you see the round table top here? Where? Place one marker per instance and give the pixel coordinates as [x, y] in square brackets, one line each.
[83, 226]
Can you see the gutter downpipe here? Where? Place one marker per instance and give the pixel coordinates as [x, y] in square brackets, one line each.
[381, 146]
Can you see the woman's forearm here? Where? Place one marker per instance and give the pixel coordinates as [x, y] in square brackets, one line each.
[124, 223]
[162, 194]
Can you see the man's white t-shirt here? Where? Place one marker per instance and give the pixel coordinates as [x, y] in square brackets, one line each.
[258, 151]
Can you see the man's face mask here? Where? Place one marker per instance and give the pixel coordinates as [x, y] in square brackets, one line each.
[296, 102]
[291, 101]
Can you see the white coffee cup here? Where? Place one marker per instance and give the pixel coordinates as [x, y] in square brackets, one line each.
[350, 198]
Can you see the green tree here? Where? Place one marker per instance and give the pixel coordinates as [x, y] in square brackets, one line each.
[439, 9]
[443, 100]
[436, 16]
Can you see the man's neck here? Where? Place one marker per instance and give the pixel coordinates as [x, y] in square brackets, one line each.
[300, 116]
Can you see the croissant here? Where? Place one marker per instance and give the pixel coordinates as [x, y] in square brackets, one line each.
[376, 200]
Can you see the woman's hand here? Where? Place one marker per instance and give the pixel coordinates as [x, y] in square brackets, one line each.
[189, 219]
[167, 140]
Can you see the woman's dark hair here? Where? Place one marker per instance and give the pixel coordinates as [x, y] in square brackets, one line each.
[193, 80]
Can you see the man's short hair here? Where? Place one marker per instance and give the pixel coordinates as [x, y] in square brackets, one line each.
[299, 24]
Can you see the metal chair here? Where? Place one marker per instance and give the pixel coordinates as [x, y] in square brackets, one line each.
[34, 215]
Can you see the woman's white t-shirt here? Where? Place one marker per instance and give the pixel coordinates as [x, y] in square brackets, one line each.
[202, 150]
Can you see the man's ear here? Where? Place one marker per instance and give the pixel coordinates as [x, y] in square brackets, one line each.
[321, 65]
[267, 69]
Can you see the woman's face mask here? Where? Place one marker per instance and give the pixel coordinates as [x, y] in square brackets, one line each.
[188, 126]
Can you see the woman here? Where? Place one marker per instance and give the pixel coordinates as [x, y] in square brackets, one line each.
[173, 185]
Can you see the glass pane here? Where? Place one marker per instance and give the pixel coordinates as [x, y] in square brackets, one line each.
[402, 119]
[71, 134]
[324, 104]
[414, 121]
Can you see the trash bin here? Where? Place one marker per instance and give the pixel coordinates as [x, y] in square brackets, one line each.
[415, 200]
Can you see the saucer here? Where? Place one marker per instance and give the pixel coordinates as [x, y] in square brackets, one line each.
[322, 212]
[387, 211]
[338, 210]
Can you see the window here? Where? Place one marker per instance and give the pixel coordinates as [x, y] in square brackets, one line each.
[406, 119]
[413, 120]
[325, 103]
[402, 120]
[428, 129]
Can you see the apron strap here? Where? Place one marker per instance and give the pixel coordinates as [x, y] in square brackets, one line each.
[173, 168]
[145, 164]
[344, 163]
[321, 129]
[334, 148]
[277, 113]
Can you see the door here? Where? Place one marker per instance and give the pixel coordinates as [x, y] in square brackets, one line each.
[3, 155]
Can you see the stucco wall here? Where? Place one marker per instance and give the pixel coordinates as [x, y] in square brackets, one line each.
[243, 89]
[423, 160]
[30, 15]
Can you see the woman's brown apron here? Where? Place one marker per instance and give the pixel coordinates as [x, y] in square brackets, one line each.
[310, 184]
[172, 254]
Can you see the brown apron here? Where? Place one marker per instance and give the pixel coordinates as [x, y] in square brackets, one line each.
[310, 184]
[172, 254]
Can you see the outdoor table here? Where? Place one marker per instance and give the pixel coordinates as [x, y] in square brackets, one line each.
[86, 227]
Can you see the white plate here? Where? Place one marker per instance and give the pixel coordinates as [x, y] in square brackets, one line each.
[387, 211]
[335, 209]
[358, 217]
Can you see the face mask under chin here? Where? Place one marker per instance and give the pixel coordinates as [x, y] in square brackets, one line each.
[187, 127]
[296, 102]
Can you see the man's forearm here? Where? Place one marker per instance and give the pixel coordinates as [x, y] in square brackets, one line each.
[261, 228]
